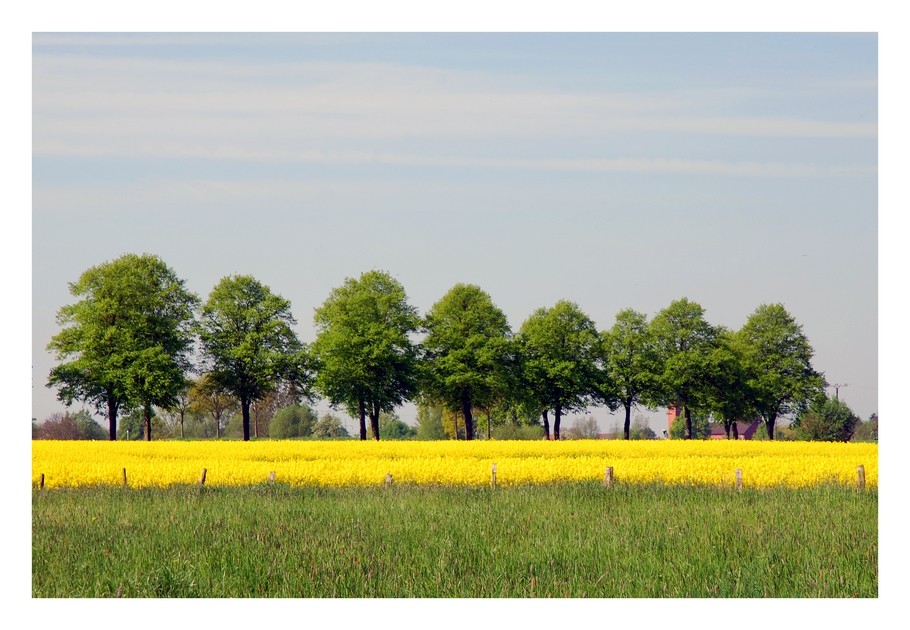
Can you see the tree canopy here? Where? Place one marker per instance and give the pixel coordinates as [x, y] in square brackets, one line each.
[466, 351]
[366, 360]
[248, 343]
[777, 358]
[560, 350]
[630, 364]
[125, 343]
[684, 342]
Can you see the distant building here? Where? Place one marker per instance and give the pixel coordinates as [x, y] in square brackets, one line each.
[745, 430]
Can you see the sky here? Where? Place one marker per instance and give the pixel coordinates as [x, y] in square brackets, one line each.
[617, 171]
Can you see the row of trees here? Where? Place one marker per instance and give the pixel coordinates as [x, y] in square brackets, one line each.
[127, 345]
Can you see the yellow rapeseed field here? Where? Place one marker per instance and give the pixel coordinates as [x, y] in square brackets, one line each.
[354, 463]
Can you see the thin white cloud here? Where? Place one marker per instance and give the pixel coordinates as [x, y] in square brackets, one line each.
[95, 106]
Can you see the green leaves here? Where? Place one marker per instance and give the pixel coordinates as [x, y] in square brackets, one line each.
[365, 356]
[248, 345]
[125, 343]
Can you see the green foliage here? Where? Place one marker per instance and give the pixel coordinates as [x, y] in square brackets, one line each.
[392, 428]
[777, 359]
[125, 343]
[657, 542]
[429, 422]
[248, 343]
[701, 428]
[367, 362]
[560, 346]
[640, 430]
[866, 431]
[206, 398]
[518, 432]
[684, 342]
[631, 365]
[828, 420]
[132, 426]
[330, 426]
[292, 422]
[467, 352]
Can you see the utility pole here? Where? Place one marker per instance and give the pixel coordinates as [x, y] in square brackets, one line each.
[836, 387]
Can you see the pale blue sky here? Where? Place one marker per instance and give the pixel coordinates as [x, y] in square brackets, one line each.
[614, 170]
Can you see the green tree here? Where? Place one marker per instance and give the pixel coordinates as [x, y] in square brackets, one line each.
[125, 343]
[729, 396]
[292, 421]
[827, 420]
[560, 349]
[429, 422]
[466, 352]
[367, 362]
[695, 427]
[330, 426]
[207, 398]
[640, 430]
[867, 431]
[392, 428]
[684, 342]
[248, 343]
[777, 358]
[630, 364]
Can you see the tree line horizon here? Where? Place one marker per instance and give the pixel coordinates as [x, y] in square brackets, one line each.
[126, 345]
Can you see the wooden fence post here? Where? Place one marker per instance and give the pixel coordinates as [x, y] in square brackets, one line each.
[861, 477]
[41, 483]
[124, 477]
[272, 476]
[388, 480]
[739, 479]
[202, 478]
[608, 477]
[493, 478]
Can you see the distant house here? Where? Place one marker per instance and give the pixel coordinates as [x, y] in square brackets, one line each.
[745, 429]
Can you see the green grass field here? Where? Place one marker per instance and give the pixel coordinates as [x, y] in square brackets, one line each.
[548, 541]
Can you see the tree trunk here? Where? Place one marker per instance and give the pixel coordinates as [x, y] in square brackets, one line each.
[735, 430]
[557, 416]
[688, 422]
[546, 424]
[374, 422]
[217, 418]
[489, 424]
[361, 412]
[769, 424]
[112, 418]
[727, 424]
[627, 426]
[468, 418]
[147, 417]
[181, 423]
[245, 410]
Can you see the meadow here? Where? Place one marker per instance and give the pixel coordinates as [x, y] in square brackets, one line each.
[567, 540]
[671, 525]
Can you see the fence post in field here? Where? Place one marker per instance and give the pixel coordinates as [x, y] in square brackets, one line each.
[272, 476]
[388, 480]
[861, 477]
[123, 476]
[202, 478]
[739, 478]
[608, 477]
[41, 482]
[493, 478]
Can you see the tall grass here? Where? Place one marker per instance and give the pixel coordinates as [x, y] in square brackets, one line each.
[577, 540]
